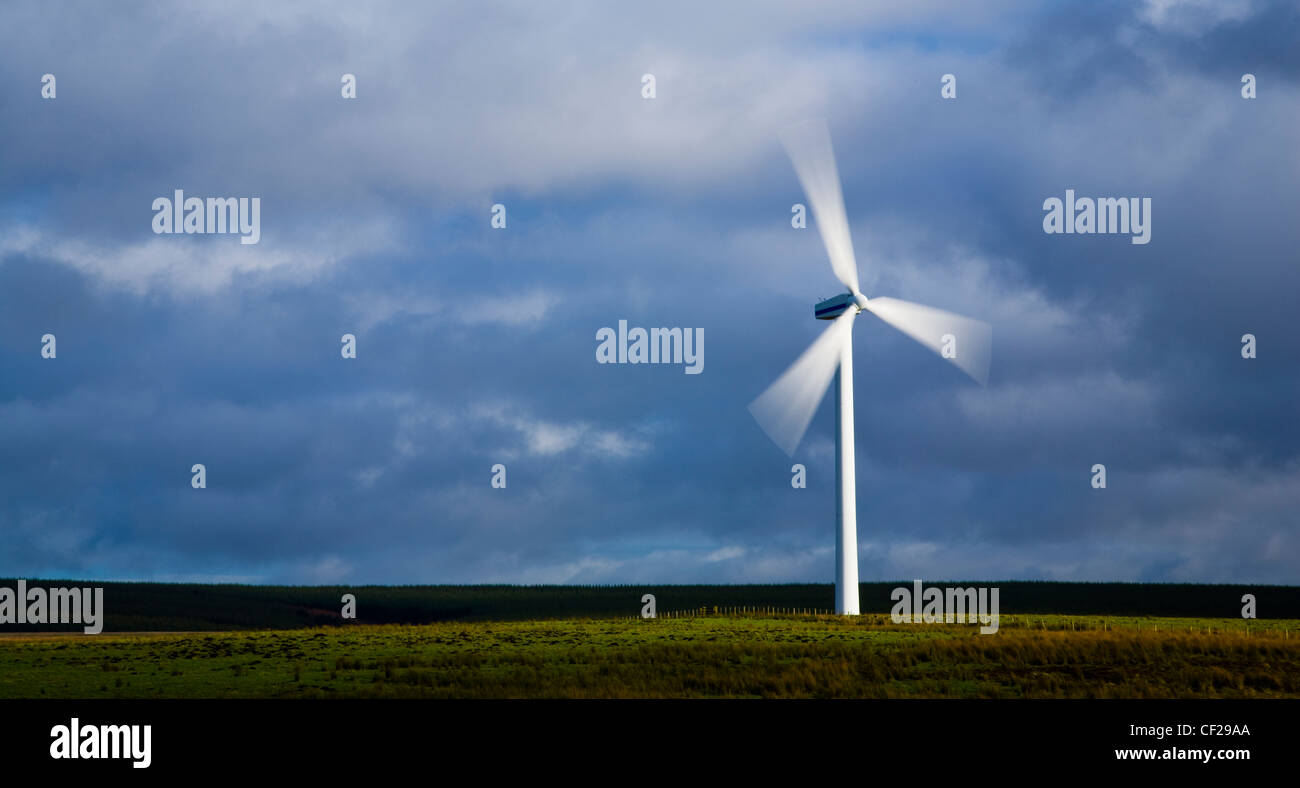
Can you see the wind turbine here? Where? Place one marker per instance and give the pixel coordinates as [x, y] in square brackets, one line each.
[787, 406]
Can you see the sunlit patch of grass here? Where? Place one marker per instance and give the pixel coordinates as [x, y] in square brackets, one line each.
[767, 656]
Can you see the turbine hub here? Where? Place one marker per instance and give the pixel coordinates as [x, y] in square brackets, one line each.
[861, 301]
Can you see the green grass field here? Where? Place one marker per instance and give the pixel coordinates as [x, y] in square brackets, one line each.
[709, 656]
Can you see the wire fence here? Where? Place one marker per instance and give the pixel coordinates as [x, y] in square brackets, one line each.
[1063, 623]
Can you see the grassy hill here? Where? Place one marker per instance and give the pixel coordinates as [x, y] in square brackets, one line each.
[734, 656]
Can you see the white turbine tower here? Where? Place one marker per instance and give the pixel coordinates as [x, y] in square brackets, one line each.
[787, 406]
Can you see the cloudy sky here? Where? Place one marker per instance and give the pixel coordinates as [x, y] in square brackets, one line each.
[477, 346]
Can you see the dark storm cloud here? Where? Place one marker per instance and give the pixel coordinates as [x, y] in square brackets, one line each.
[478, 346]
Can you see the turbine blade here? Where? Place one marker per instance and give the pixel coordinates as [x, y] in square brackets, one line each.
[809, 146]
[787, 406]
[972, 339]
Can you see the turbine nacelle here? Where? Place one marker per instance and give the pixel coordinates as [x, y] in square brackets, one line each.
[832, 308]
